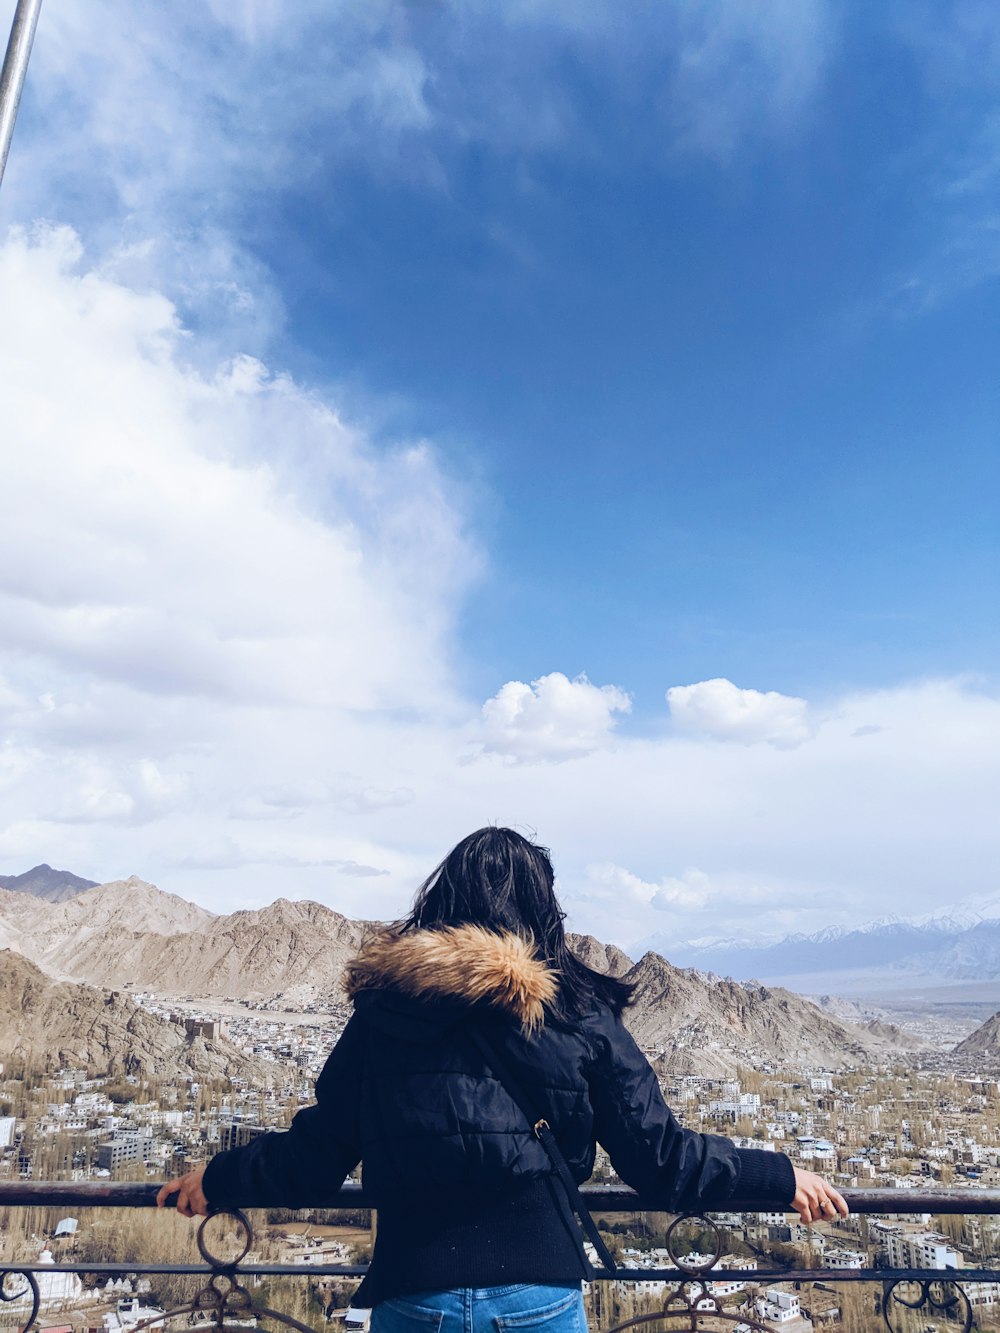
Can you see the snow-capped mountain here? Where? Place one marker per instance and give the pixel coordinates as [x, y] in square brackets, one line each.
[960, 942]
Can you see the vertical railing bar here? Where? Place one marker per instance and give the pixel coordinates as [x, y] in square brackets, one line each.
[15, 66]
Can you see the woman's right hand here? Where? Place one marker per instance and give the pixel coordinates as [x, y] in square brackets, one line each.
[815, 1200]
[191, 1199]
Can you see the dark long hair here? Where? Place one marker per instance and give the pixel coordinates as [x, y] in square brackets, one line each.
[496, 878]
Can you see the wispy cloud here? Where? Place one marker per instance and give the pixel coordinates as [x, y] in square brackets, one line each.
[229, 670]
[747, 73]
[953, 162]
[194, 113]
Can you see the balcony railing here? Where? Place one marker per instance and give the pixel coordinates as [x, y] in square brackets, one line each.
[917, 1299]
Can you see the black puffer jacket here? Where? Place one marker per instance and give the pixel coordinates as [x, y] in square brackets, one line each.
[407, 1092]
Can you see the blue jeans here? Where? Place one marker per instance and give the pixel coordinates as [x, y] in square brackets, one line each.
[520, 1309]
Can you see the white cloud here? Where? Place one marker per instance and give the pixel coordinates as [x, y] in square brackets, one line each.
[696, 76]
[722, 710]
[225, 537]
[224, 853]
[360, 799]
[692, 899]
[552, 719]
[226, 668]
[222, 603]
[686, 891]
[296, 798]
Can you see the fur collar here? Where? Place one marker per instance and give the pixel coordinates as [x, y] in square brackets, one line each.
[462, 962]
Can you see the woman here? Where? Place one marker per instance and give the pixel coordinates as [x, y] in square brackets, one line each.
[474, 1230]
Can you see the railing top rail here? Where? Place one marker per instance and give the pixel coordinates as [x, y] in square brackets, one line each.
[599, 1198]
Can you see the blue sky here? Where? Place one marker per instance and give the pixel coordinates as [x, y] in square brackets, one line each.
[731, 405]
[655, 343]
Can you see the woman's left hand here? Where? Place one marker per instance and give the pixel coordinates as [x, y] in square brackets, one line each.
[815, 1200]
[191, 1199]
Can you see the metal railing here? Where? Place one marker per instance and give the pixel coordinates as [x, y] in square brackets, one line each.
[908, 1298]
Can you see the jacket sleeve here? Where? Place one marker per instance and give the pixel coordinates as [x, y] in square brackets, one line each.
[670, 1167]
[306, 1164]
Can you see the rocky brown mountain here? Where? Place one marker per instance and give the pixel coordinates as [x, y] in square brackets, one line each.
[58, 1023]
[709, 1025]
[248, 954]
[601, 957]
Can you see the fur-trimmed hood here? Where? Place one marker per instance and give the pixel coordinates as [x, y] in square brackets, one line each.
[465, 963]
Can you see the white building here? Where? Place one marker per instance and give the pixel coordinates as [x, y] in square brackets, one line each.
[845, 1259]
[57, 1288]
[729, 1286]
[781, 1309]
[816, 1150]
[7, 1124]
[727, 1107]
[644, 1287]
[921, 1249]
[131, 1312]
[982, 1295]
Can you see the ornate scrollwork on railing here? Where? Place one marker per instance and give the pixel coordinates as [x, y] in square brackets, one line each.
[218, 1262]
[684, 1262]
[224, 1303]
[936, 1299]
[19, 1291]
[698, 1307]
[692, 1302]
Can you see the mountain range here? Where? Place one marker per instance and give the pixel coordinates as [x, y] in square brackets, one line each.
[131, 934]
[961, 944]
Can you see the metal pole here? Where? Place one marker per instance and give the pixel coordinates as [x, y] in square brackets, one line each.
[15, 66]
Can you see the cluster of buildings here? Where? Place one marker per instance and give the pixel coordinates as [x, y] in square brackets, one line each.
[914, 1129]
[730, 1284]
[908, 1130]
[86, 1135]
[303, 1039]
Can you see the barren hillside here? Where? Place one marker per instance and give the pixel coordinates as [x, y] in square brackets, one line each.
[67, 1023]
[708, 1025]
[985, 1041]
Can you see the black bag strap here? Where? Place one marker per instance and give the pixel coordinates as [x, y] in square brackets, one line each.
[499, 1064]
